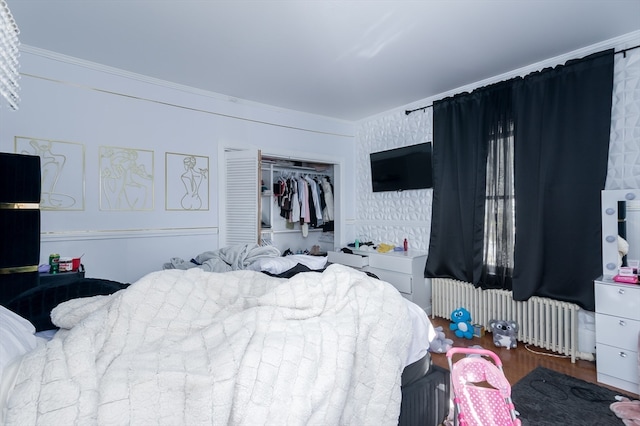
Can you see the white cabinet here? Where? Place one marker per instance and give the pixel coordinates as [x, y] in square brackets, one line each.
[617, 334]
[402, 269]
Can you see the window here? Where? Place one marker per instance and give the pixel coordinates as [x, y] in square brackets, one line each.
[499, 216]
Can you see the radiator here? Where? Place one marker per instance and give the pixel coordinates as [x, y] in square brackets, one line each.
[542, 322]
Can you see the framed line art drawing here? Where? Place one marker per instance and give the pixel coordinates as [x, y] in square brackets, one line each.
[186, 182]
[126, 179]
[62, 171]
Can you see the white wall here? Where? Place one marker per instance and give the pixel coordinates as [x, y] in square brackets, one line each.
[64, 99]
[390, 217]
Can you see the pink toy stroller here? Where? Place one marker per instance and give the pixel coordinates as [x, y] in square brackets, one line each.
[481, 392]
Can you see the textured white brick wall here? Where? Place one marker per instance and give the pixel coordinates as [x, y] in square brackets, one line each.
[390, 217]
[624, 145]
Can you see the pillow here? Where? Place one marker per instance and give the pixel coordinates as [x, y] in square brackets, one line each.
[278, 265]
[315, 263]
[17, 337]
[274, 265]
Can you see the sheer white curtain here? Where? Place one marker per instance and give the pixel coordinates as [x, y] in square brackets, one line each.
[500, 208]
[9, 53]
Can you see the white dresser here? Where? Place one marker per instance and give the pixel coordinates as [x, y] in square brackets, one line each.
[402, 269]
[617, 333]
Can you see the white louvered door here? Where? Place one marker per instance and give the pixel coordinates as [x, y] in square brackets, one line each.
[242, 197]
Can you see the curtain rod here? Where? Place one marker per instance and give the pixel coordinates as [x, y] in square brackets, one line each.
[409, 111]
[624, 55]
[624, 51]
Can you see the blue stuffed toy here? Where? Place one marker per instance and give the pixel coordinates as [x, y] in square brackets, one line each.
[461, 324]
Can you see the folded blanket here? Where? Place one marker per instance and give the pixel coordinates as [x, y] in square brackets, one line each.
[230, 258]
[193, 347]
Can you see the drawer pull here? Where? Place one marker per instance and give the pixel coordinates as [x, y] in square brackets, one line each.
[620, 291]
[622, 323]
[622, 354]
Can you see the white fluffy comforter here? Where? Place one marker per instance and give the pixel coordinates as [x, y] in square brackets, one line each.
[189, 347]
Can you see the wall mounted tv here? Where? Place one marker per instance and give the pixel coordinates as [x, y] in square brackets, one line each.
[402, 168]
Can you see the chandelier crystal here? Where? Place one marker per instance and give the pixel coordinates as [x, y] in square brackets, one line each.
[9, 53]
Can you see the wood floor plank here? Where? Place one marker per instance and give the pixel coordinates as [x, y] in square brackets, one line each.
[518, 362]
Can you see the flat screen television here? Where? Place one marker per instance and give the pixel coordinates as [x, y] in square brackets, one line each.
[401, 169]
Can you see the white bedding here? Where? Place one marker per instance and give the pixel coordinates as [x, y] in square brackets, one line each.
[278, 265]
[230, 258]
[423, 331]
[17, 337]
[193, 347]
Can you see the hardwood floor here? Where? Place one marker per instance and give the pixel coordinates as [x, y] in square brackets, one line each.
[518, 362]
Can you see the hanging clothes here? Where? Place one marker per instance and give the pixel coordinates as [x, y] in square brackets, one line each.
[327, 189]
[284, 199]
[305, 200]
[303, 191]
[314, 203]
[295, 202]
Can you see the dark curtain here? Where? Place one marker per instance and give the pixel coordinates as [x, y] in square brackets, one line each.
[562, 118]
[461, 128]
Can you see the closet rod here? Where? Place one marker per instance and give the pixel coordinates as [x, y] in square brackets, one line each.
[302, 171]
[624, 55]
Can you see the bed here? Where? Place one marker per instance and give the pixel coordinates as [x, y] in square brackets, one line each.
[190, 346]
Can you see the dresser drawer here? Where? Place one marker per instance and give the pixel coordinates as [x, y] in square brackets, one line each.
[400, 281]
[393, 262]
[617, 362]
[617, 331]
[618, 300]
[353, 260]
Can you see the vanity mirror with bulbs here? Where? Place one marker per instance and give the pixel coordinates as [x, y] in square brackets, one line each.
[618, 304]
[620, 215]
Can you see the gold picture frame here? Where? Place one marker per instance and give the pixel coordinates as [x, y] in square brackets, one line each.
[186, 182]
[126, 179]
[62, 171]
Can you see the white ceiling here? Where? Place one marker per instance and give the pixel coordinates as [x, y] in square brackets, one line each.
[342, 59]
